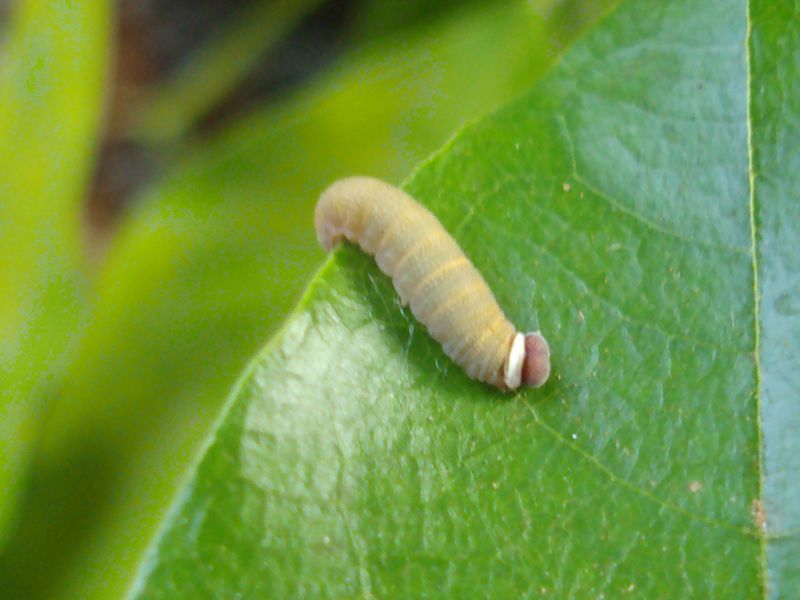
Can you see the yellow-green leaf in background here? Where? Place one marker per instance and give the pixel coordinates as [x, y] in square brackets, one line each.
[52, 75]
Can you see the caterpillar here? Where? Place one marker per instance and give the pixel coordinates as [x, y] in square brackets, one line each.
[431, 274]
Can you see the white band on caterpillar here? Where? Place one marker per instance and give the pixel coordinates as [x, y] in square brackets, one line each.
[516, 357]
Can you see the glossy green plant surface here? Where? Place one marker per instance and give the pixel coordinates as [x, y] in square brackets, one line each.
[774, 60]
[636, 207]
[208, 266]
[52, 74]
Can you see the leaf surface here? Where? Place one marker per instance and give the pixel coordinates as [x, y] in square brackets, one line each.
[774, 61]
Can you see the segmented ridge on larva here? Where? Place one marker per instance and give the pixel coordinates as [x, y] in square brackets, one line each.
[434, 277]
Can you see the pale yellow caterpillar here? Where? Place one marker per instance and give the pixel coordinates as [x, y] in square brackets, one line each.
[431, 274]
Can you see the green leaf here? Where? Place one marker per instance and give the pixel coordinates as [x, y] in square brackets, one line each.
[51, 77]
[209, 265]
[617, 208]
[774, 61]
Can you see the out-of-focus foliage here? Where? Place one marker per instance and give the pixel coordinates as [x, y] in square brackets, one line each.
[169, 111]
[52, 75]
[213, 257]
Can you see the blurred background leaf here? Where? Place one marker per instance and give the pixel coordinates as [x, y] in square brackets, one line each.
[211, 258]
[637, 206]
[170, 111]
[52, 86]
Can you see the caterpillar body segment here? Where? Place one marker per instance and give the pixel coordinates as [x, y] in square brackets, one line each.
[434, 278]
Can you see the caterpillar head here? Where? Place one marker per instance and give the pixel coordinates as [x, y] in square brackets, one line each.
[536, 367]
[528, 361]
